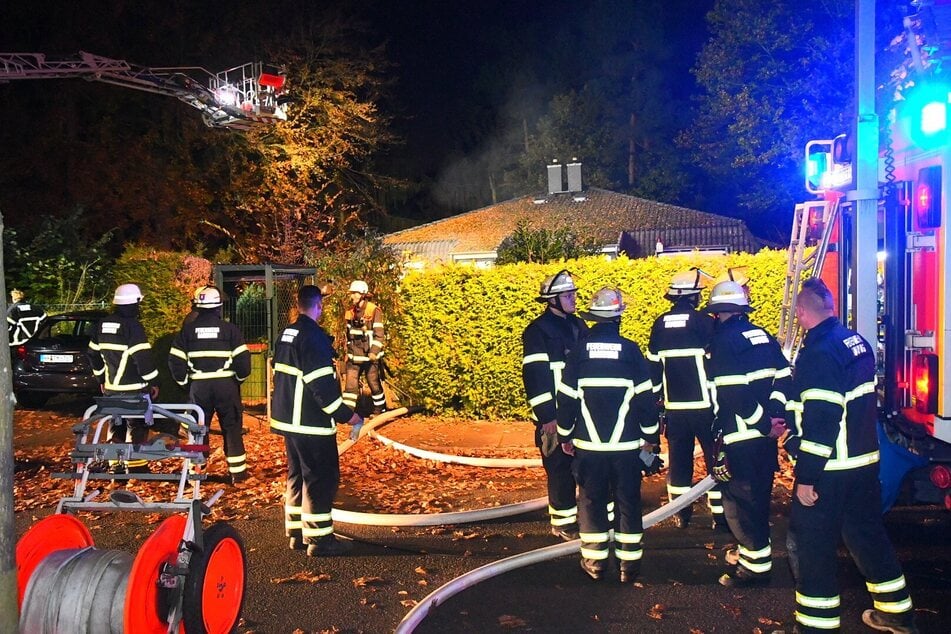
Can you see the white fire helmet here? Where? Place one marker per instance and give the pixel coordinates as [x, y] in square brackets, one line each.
[728, 297]
[554, 285]
[606, 305]
[688, 282]
[207, 297]
[127, 294]
[359, 286]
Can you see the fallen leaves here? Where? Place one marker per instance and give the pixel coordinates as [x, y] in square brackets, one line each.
[362, 582]
[510, 622]
[303, 577]
[657, 611]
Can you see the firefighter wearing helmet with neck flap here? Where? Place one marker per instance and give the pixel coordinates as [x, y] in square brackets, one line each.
[751, 381]
[546, 342]
[608, 420]
[365, 344]
[209, 358]
[121, 359]
[676, 350]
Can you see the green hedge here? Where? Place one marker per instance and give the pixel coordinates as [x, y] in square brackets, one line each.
[458, 334]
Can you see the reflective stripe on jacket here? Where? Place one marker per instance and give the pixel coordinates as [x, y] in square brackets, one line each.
[750, 379]
[606, 403]
[364, 334]
[120, 354]
[307, 397]
[677, 351]
[834, 403]
[209, 347]
[546, 342]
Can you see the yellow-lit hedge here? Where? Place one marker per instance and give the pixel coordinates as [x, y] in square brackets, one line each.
[458, 334]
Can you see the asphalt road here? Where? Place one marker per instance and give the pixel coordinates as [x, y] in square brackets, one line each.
[391, 568]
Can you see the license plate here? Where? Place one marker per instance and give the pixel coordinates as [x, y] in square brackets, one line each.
[56, 358]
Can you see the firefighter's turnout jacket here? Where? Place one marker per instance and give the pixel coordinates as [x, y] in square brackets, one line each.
[606, 409]
[677, 351]
[23, 320]
[364, 331]
[209, 348]
[210, 357]
[751, 381]
[306, 396]
[120, 353]
[546, 342]
[835, 437]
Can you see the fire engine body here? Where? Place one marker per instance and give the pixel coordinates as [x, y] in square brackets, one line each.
[914, 319]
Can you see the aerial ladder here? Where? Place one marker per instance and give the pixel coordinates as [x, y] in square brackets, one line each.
[239, 98]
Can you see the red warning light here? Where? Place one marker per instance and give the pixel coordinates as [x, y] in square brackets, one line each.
[925, 383]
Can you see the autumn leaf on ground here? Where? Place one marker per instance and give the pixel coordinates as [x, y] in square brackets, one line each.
[509, 621]
[734, 611]
[408, 603]
[696, 630]
[362, 582]
[303, 577]
[765, 620]
[657, 611]
[421, 570]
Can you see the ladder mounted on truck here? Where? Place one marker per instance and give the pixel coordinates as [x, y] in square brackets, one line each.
[239, 98]
[813, 225]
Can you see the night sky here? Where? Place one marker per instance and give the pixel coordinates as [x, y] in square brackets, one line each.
[459, 68]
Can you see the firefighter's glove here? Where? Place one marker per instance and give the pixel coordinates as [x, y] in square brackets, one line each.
[355, 431]
[721, 467]
[550, 443]
[374, 356]
[651, 463]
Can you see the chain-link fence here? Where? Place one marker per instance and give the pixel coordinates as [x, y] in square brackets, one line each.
[260, 300]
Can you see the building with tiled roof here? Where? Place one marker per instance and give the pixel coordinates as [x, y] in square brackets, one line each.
[620, 222]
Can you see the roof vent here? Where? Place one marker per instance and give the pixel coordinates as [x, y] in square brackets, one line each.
[556, 183]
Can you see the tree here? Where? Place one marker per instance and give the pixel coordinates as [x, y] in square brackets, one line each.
[775, 75]
[59, 263]
[309, 182]
[544, 245]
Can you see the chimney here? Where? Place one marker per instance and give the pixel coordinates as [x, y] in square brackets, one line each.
[574, 175]
[555, 181]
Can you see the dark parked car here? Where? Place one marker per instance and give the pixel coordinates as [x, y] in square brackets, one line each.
[53, 361]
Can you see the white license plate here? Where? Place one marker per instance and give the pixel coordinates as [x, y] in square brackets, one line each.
[56, 358]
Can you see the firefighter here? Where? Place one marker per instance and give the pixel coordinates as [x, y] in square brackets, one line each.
[23, 319]
[306, 408]
[546, 342]
[365, 339]
[736, 274]
[607, 419]
[677, 348]
[750, 381]
[121, 359]
[209, 356]
[837, 495]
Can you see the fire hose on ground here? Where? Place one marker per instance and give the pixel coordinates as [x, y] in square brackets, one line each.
[421, 610]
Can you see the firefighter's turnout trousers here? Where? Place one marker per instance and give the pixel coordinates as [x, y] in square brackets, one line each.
[682, 427]
[604, 477]
[562, 506]
[224, 397]
[351, 390]
[849, 507]
[746, 500]
[313, 477]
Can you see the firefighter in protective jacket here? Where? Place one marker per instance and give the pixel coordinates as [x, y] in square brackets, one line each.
[837, 496]
[751, 380]
[546, 342]
[209, 356]
[677, 351]
[608, 419]
[365, 339]
[306, 408]
[23, 319]
[121, 359]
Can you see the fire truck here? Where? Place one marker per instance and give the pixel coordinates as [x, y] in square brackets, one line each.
[908, 304]
[239, 98]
